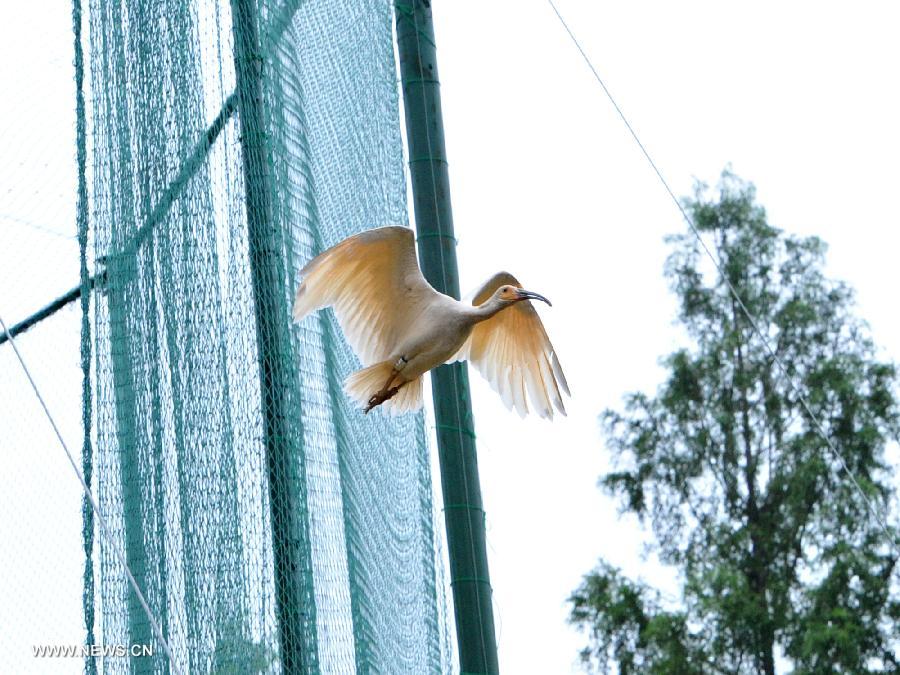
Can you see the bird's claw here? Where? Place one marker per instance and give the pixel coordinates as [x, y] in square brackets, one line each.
[379, 398]
[372, 403]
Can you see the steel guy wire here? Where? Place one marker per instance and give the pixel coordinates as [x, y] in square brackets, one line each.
[87, 491]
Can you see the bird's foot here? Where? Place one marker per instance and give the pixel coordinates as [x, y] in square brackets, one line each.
[380, 397]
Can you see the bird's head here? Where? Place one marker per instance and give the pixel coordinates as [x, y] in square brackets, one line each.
[507, 295]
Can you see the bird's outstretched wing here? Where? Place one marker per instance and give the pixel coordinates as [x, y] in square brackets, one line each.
[512, 351]
[373, 282]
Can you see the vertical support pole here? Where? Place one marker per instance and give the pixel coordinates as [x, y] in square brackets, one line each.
[463, 509]
[293, 605]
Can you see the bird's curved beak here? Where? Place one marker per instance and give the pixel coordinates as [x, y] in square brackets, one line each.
[530, 295]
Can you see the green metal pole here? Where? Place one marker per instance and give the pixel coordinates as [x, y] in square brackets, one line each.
[295, 612]
[463, 509]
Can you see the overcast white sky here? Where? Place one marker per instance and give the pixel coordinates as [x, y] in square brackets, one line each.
[800, 97]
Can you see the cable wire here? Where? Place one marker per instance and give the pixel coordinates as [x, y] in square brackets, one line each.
[87, 491]
[753, 323]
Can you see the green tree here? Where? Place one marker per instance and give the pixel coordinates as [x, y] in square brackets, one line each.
[775, 546]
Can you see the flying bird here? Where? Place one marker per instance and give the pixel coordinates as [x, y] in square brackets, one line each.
[400, 327]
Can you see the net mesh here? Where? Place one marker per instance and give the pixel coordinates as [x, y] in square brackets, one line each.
[270, 526]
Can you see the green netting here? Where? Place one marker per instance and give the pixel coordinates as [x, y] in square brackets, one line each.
[272, 527]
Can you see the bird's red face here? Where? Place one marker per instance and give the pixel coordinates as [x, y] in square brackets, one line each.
[508, 293]
[514, 294]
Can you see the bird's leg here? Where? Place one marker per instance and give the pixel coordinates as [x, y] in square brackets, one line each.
[385, 392]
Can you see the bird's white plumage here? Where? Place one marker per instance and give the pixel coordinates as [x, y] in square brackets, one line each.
[387, 310]
[512, 351]
[373, 282]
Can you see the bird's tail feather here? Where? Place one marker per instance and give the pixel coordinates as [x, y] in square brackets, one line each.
[408, 399]
[363, 384]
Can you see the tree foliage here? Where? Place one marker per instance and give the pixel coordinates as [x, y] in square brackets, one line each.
[775, 546]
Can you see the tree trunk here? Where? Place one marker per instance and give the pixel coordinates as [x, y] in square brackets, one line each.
[757, 575]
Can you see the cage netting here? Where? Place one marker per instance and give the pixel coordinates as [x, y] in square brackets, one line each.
[271, 526]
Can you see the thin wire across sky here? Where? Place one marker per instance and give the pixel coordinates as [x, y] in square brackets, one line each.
[753, 322]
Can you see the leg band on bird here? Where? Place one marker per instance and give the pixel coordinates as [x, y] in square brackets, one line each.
[386, 391]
